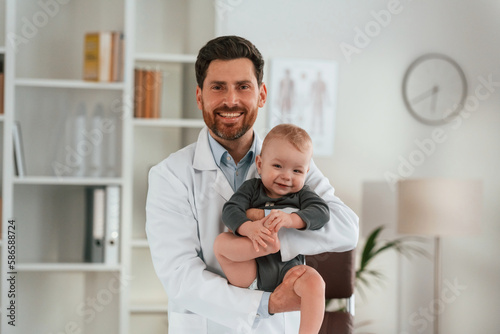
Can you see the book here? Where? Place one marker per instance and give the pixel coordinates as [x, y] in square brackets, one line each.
[97, 56]
[138, 93]
[148, 86]
[117, 50]
[19, 163]
[103, 56]
[95, 224]
[102, 231]
[112, 236]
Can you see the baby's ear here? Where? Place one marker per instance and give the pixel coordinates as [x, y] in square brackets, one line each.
[258, 163]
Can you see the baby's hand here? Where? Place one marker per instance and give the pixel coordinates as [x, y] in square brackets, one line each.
[278, 219]
[257, 233]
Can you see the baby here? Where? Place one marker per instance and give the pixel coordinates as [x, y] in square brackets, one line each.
[249, 255]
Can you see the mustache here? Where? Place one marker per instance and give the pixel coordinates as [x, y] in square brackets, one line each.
[229, 109]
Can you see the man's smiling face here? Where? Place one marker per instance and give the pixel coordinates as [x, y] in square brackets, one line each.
[230, 98]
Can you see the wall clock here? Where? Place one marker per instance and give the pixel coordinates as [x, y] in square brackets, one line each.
[434, 89]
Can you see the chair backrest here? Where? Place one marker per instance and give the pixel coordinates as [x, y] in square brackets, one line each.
[338, 271]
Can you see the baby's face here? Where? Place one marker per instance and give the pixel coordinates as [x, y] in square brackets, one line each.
[283, 168]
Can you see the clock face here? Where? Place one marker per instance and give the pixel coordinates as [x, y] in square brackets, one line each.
[434, 89]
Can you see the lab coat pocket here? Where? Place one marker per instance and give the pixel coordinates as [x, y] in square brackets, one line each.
[186, 323]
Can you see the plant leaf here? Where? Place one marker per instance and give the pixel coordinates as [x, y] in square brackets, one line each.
[370, 244]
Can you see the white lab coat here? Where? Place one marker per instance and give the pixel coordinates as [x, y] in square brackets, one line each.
[184, 205]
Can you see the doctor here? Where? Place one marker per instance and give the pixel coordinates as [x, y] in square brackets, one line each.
[188, 189]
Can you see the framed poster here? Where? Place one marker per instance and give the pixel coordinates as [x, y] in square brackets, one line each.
[304, 92]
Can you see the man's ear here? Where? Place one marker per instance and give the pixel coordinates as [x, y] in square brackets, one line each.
[262, 95]
[199, 101]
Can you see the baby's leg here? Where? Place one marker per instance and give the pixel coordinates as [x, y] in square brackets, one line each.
[236, 257]
[310, 287]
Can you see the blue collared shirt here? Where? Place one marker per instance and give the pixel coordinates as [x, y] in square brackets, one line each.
[236, 174]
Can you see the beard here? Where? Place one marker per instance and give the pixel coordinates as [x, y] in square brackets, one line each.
[225, 131]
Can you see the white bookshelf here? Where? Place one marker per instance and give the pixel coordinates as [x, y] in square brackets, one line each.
[140, 243]
[179, 124]
[66, 267]
[43, 87]
[149, 308]
[169, 122]
[75, 84]
[165, 58]
[82, 181]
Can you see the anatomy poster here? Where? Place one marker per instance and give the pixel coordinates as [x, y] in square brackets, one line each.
[304, 93]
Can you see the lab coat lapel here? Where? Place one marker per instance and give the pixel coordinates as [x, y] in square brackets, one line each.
[204, 161]
[222, 186]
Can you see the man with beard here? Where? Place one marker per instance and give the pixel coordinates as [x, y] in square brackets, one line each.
[188, 190]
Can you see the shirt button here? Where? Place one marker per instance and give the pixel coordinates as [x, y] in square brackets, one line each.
[228, 158]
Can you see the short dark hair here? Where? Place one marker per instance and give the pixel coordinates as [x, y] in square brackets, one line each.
[228, 48]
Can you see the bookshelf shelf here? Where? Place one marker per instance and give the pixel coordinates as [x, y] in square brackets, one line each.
[66, 267]
[60, 83]
[165, 58]
[148, 308]
[169, 122]
[140, 243]
[83, 181]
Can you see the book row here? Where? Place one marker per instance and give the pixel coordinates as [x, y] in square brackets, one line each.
[103, 56]
[148, 85]
[102, 224]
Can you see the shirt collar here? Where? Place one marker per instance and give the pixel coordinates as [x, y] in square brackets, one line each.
[218, 151]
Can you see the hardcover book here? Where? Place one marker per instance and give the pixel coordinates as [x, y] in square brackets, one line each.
[148, 90]
[103, 56]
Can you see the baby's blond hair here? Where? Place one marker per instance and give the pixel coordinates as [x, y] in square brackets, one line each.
[295, 135]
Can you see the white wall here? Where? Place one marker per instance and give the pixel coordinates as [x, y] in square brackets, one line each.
[374, 131]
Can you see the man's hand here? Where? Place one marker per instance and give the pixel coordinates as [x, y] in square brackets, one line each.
[257, 233]
[284, 298]
[255, 214]
[278, 219]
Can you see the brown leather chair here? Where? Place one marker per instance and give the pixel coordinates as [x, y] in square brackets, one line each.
[338, 272]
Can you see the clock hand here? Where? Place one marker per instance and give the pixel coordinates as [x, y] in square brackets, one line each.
[424, 95]
[435, 89]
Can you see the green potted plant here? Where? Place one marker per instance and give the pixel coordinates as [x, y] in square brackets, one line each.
[408, 246]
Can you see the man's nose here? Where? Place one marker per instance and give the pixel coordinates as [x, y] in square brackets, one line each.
[231, 98]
